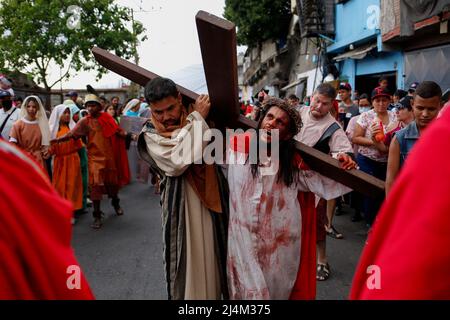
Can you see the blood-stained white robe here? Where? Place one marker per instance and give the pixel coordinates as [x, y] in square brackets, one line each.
[264, 231]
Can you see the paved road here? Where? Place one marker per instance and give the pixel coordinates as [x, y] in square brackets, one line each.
[123, 260]
[343, 256]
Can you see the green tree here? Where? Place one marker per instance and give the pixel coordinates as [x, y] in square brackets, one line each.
[258, 20]
[36, 33]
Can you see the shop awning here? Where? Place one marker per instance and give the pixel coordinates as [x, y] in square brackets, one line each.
[293, 84]
[358, 53]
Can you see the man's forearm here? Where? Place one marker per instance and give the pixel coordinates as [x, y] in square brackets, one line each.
[65, 137]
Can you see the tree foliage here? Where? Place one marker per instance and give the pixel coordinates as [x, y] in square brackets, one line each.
[36, 33]
[258, 20]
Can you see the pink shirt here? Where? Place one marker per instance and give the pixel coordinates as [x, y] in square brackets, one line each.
[365, 121]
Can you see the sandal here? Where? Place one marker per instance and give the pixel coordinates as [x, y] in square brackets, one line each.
[116, 206]
[97, 223]
[332, 232]
[323, 272]
[119, 211]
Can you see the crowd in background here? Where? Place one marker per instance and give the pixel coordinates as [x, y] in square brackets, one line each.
[34, 129]
[382, 128]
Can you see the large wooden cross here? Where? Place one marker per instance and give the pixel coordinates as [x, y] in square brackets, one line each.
[218, 46]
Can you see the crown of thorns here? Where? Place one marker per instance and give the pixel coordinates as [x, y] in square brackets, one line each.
[291, 111]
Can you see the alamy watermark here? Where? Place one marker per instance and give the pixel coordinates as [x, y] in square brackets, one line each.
[74, 279]
[74, 20]
[373, 282]
[197, 146]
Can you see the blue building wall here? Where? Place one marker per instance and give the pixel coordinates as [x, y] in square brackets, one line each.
[383, 62]
[348, 71]
[357, 23]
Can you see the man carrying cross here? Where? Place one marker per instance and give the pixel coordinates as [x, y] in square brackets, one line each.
[193, 196]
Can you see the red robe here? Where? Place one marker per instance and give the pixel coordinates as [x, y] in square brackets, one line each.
[305, 284]
[410, 240]
[37, 260]
[110, 128]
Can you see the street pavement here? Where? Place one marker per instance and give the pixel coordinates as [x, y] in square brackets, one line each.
[124, 260]
[343, 255]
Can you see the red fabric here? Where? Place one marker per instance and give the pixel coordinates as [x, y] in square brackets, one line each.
[336, 109]
[108, 124]
[410, 240]
[243, 107]
[110, 128]
[121, 157]
[298, 160]
[35, 234]
[305, 284]
[388, 137]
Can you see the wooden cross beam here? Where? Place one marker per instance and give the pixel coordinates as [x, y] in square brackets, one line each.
[220, 63]
[218, 45]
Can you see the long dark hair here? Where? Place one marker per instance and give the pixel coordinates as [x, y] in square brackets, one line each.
[287, 170]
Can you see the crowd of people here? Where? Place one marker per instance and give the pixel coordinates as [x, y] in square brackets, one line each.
[79, 144]
[238, 230]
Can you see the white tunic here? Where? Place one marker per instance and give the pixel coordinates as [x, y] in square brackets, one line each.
[11, 120]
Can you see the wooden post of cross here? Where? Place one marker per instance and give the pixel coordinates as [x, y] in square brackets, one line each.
[218, 45]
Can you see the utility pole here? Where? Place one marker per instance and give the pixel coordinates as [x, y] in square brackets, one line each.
[134, 88]
[60, 86]
[136, 55]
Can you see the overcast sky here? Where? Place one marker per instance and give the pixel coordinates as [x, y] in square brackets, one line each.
[172, 39]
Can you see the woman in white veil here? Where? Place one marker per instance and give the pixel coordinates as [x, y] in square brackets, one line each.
[41, 118]
[55, 117]
[31, 132]
[67, 176]
[132, 108]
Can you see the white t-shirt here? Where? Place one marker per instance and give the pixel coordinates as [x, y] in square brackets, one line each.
[12, 119]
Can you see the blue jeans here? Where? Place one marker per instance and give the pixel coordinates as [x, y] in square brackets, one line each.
[371, 206]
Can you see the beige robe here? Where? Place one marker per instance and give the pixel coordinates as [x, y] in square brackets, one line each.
[202, 273]
[27, 135]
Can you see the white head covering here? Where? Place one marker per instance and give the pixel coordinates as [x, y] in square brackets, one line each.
[56, 116]
[130, 105]
[41, 117]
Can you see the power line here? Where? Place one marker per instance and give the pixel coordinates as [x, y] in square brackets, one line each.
[137, 5]
[143, 10]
